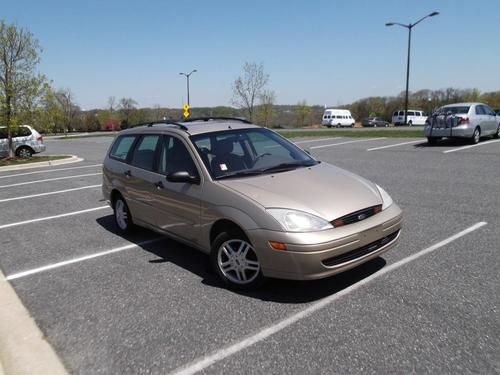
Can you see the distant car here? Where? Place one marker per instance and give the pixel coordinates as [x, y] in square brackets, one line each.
[462, 120]
[255, 202]
[374, 121]
[26, 141]
[415, 117]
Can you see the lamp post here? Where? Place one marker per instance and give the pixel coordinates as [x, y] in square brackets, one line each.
[409, 27]
[187, 80]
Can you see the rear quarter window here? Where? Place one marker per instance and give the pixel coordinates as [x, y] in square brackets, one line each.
[122, 147]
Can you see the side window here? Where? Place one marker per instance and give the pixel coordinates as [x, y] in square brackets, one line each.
[144, 152]
[121, 147]
[3, 133]
[480, 110]
[175, 157]
[411, 113]
[22, 131]
[488, 110]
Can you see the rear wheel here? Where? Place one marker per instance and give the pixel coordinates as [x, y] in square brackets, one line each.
[386, 124]
[24, 152]
[410, 123]
[497, 134]
[433, 140]
[123, 219]
[235, 261]
[476, 136]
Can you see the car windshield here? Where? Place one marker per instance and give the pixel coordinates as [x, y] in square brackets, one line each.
[454, 110]
[248, 152]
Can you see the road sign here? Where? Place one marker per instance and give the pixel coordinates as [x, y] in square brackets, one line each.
[186, 110]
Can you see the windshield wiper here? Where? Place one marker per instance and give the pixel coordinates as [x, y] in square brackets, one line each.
[283, 167]
[240, 174]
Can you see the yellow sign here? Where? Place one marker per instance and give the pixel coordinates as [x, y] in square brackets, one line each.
[186, 114]
[186, 107]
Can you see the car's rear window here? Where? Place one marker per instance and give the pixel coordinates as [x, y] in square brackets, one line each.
[454, 110]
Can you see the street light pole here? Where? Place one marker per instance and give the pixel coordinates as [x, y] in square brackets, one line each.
[187, 81]
[409, 27]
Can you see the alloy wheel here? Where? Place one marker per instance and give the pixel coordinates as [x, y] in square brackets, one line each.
[237, 261]
[121, 214]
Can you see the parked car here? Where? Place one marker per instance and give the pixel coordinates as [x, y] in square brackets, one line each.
[374, 121]
[415, 117]
[462, 120]
[26, 141]
[338, 118]
[236, 191]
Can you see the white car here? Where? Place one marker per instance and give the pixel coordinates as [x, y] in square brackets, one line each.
[26, 141]
[338, 118]
[415, 117]
[462, 120]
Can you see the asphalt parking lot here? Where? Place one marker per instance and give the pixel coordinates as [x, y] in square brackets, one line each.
[146, 304]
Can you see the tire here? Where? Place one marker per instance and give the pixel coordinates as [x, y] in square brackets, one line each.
[123, 218]
[497, 134]
[386, 125]
[374, 125]
[433, 140]
[410, 123]
[235, 261]
[352, 125]
[24, 152]
[476, 136]
[338, 125]
[328, 126]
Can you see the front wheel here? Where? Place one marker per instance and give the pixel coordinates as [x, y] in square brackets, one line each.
[497, 134]
[123, 219]
[235, 261]
[476, 136]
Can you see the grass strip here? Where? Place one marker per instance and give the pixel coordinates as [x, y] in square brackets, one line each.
[35, 159]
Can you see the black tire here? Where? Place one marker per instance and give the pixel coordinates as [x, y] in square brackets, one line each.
[24, 152]
[497, 134]
[122, 216]
[476, 136]
[374, 125]
[328, 126]
[237, 275]
[410, 123]
[433, 140]
[386, 124]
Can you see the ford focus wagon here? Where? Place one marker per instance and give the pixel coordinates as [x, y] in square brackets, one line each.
[255, 202]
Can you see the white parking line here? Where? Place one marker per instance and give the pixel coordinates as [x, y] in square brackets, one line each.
[345, 143]
[204, 362]
[316, 140]
[50, 193]
[51, 170]
[50, 179]
[52, 217]
[395, 145]
[80, 259]
[466, 147]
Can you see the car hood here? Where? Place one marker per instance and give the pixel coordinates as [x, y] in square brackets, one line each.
[323, 190]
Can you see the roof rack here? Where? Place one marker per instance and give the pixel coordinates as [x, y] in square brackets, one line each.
[211, 118]
[167, 122]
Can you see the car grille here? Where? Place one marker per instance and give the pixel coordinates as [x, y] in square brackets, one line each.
[354, 217]
[362, 251]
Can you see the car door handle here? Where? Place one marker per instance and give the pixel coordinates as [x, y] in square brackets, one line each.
[159, 185]
[127, 173]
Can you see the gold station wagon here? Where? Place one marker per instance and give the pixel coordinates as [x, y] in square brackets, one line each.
[255, 202]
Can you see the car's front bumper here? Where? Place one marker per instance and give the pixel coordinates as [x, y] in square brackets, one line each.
[321, 254]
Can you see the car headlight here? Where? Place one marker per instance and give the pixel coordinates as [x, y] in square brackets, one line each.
[298, 221]
[386, 198]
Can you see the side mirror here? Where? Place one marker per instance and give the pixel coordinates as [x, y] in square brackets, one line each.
[183, 176]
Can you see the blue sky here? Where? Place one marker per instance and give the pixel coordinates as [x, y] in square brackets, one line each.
[326, 52]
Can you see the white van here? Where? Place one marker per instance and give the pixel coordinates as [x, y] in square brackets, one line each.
[337, 117]
[415, 117]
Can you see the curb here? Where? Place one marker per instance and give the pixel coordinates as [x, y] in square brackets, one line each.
[23, 348]
[72, 159]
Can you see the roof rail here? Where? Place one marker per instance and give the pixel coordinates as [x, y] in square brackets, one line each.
[210, 118]
[167, 122]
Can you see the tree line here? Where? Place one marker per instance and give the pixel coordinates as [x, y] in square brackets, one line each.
[28, 97]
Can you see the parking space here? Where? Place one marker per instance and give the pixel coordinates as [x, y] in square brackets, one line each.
[147, 304]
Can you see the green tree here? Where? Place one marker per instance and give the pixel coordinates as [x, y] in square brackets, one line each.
[265, 110]
[127, 107]
[302, 111]
[19, 55]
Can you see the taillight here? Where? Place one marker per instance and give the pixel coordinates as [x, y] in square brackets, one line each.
[463, 120]
[40, 139]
